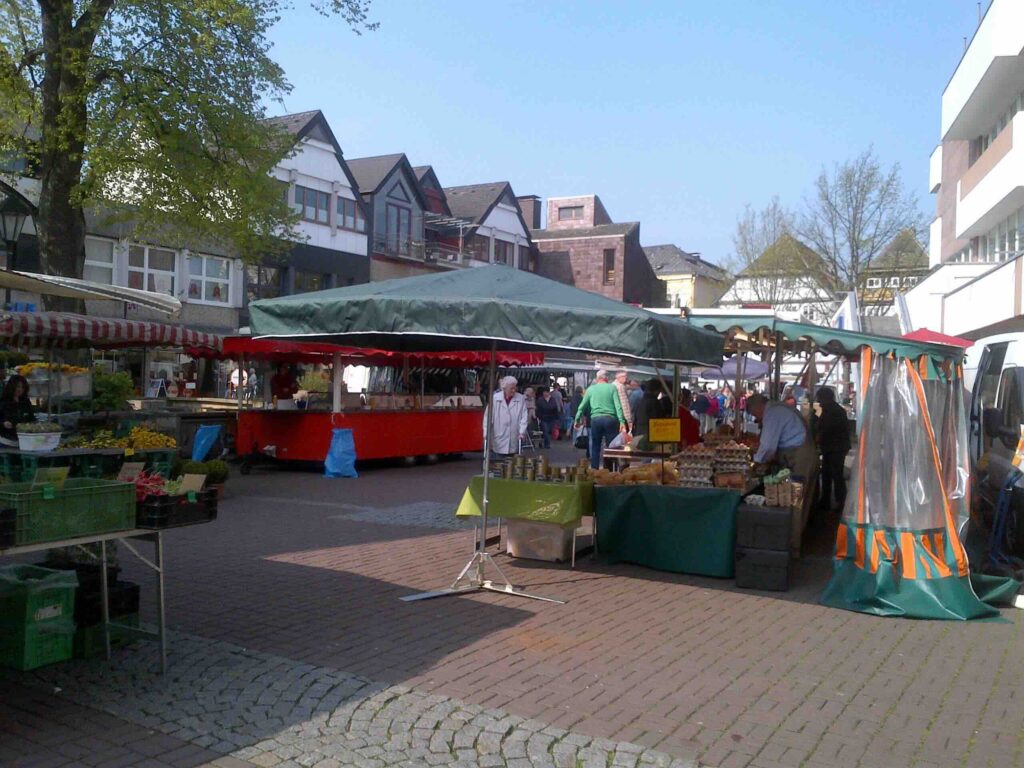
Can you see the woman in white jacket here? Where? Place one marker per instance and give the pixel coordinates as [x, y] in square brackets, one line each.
[509, 418]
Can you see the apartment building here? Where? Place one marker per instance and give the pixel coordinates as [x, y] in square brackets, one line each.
[582, 246]
[977, 175]
[690, 281]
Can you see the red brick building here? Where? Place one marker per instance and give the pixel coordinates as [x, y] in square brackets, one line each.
[583, 247]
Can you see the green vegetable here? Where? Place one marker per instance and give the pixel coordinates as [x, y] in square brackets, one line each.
[39, 427]
[217, 472]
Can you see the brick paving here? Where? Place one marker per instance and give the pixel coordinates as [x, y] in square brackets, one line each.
[310, 570]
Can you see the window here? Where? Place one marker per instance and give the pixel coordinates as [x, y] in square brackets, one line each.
[313, 205]
[894, 282]
[398, 229]
[910, 280]
[874, 282]
[524, 258]
[99, 261]
[308, 281]
[209, 279]
[262, 282]
[480, 247]
[151, 269]
[570, 213]
[503, 252]
[609, 266]
[350, 216]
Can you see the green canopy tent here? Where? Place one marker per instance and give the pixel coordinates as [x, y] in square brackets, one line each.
[899, 549]
[494, 307]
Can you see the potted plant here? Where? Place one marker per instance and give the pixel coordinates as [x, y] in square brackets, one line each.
[38, 436]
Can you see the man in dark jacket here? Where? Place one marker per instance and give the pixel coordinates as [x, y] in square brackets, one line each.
[832, 432]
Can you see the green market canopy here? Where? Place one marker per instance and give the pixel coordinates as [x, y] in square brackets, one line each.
[479, 308]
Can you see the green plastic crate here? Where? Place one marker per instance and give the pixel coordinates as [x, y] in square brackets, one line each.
[37, 645]
[88, 641]
[30, 594]
[84, 506]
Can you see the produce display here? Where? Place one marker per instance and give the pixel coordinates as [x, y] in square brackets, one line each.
[38, 427]
[140, 438]
[696, 466]
[654, 473]
[152, 484]
[37, 369]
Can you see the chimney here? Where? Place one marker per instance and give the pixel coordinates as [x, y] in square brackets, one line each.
[530, 206]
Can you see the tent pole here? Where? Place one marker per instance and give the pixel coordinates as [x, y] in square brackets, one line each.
[737, 418]
[336, 383]
[777, 378]
[472, 577]
[676, 391]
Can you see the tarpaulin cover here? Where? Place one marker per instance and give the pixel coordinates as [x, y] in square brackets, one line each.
[561, 503]
[478, 307]
[281, 350]
[898, 548]
[682, 530]
[832, 340]
[752, 369]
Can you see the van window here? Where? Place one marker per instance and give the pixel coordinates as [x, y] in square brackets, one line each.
[1010, 399]
[986, 388]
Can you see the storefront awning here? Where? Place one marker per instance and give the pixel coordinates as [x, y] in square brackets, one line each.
[281, 350]
[73, 288]
[53, 329]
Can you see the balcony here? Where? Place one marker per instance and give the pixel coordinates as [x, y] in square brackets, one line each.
[427, 253]
[993, 187]
[989, 74]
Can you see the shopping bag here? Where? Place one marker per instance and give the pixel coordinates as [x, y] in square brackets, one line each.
[555, 432]
[206, 436]
[341, 456]
[619, 441]
[581, 438]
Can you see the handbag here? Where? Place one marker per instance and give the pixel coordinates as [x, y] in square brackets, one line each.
[582, 439]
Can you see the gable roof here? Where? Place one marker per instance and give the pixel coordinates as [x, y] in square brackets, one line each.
[476, 201]
[372, 172]
[431, 188]
[672, 260]
[314, 125]
[601, 230]
[422, 170]
[904, 252]
[788, 257]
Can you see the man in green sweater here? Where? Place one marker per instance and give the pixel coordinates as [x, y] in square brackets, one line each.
[602, 405]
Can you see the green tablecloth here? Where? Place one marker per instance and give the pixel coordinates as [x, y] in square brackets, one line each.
[683, 530]
[561, 503]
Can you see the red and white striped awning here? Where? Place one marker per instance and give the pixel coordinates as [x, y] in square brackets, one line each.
[53, 329]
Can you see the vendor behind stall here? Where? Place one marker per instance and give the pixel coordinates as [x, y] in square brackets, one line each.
[282, 383]
[15, 408]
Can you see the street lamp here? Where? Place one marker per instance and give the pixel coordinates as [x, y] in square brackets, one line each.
[13, 213]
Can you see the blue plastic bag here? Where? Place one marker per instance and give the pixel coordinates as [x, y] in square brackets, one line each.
[206, 436]
[341, 456]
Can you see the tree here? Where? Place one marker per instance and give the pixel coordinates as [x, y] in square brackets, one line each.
[150, 111]
[756, 232]
[855, 212]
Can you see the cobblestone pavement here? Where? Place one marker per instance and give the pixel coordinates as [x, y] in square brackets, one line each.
[309, 569]
[271, 711]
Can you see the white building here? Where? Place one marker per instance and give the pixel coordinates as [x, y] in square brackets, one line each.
[977, 174]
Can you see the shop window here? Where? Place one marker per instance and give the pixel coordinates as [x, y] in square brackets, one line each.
[313, 205]
[350, 216]
[305, 282]
[609, 266]
[151, 269]
[209, 279]
[99, 261]
[570, 213]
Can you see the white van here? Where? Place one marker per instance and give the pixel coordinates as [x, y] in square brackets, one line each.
[994, 374]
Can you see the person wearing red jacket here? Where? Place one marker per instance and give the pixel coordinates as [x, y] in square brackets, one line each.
[689, 426]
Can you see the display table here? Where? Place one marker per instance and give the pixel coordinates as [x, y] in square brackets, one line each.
[682, 530]
[541, 502]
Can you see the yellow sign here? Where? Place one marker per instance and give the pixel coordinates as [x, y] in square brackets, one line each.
[663, 431]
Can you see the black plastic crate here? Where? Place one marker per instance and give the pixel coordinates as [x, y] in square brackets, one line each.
[124, 600]
[764, 527]
[88, 575]
[762, 569]
[159, 512]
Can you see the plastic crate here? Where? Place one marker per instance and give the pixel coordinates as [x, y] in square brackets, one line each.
[30, 594]
[159, 461]
[762, 569]
[88, 641]
[158, 512]
[123, 599]
[37, 645]
[82, 507]
[764, 527]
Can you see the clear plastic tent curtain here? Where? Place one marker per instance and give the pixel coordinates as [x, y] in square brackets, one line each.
[898, 547]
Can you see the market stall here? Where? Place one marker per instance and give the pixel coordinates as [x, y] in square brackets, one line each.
[898, 548]
[384, 425]
[483, 309]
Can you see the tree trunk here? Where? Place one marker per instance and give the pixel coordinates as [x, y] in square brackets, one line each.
[60, 223]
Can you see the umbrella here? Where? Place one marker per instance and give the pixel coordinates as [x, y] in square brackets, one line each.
[934, 337]
[752, 369]
[482, 308]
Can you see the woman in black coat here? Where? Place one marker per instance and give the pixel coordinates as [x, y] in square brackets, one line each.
[15, 408]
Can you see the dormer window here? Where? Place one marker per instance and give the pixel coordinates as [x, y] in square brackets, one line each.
[570, 213]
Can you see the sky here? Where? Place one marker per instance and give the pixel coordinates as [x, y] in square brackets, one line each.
[676, 113]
